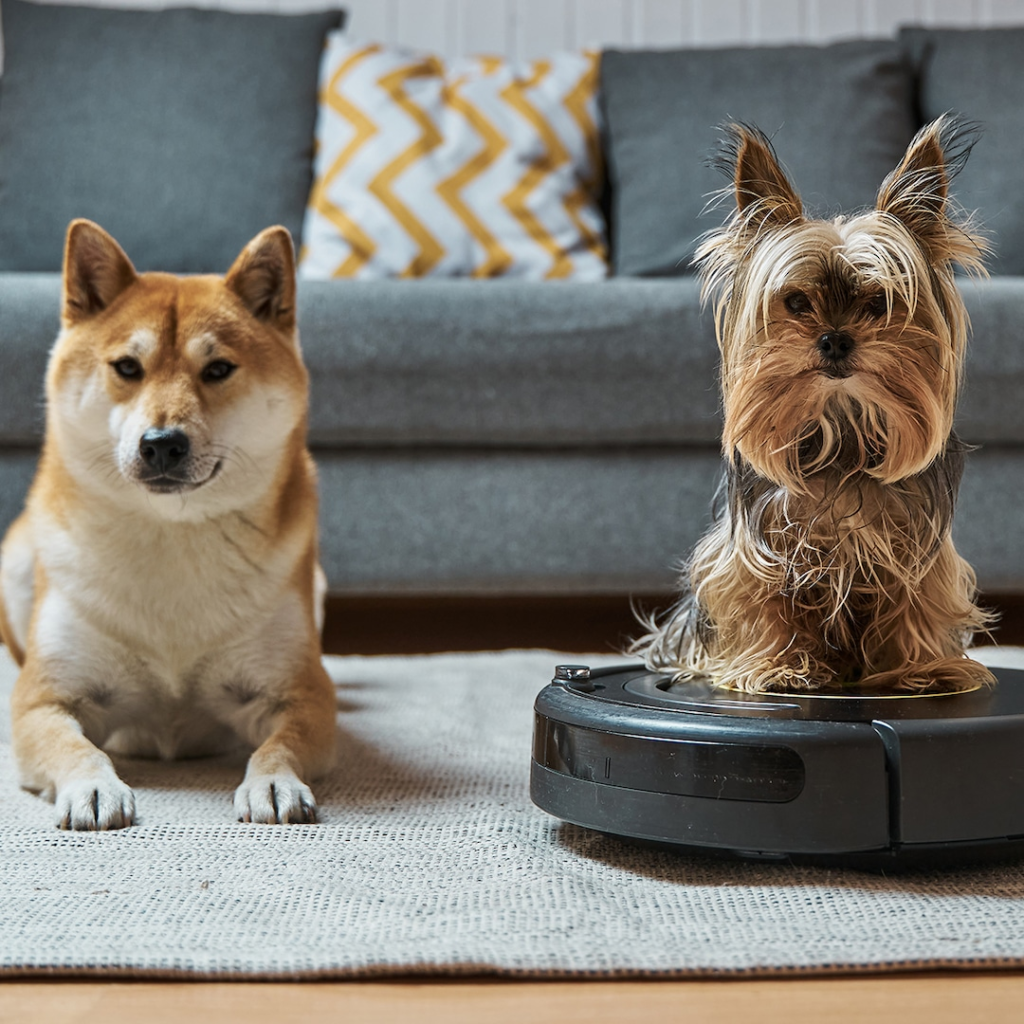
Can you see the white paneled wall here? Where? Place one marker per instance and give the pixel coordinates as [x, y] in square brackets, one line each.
[528, 28]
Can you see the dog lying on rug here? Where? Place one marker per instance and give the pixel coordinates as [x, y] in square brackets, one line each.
[830, 562]
[161, 591]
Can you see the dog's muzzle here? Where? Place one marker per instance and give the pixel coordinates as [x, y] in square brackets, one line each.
[835, 349]
[164, 455]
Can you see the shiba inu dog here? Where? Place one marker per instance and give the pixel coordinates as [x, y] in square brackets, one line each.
[161, 591]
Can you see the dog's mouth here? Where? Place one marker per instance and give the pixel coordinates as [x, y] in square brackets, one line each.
[169, 484]
[837, 372]
[848, 450]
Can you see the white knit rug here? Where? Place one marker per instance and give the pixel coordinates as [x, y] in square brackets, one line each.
[431, 859]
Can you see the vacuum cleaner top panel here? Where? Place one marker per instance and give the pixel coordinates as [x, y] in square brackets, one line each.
[634, 685]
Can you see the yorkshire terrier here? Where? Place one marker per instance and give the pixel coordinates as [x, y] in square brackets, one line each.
[830, 563]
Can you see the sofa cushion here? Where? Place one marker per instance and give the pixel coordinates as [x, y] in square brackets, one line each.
[479, 168]
[29, 321]
[559, 520]
[508, 363]
[841, 117]
[979, 73]
[991, 410]
[183, 132]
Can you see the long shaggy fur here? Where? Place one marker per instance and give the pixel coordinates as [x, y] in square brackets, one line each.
[830, 562]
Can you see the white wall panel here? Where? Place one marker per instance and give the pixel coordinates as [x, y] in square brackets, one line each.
[541, 26]
[426, 25]
[883, 17]
[721, 21]
[827, 21]
[954, 12]
[533, 28]
[777, 21]
[370, 19]
[484, 26]
[596, 23]
[663, 23]
[1007, 12]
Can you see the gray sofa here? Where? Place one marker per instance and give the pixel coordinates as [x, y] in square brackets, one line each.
[562, 438]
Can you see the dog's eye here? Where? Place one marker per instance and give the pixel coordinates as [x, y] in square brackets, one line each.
[219, 369]
[127, 368]
[877, 305]
[798, 303]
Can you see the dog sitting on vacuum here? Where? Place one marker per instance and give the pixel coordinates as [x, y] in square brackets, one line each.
[161, 590]
[830, 562]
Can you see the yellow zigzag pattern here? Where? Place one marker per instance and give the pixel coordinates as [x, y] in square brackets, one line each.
[580, 197]
[481, 113]
[363, 247]
[431, 250]
[555, 156]
[515, 95]
[497, 257]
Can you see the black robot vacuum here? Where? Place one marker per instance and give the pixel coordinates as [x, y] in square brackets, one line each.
[860, 781]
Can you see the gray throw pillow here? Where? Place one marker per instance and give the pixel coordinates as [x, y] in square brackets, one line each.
[980, 73]
[182, 132]
[840, 116]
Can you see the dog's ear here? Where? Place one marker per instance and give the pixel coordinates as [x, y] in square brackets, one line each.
[263, 277]
[96, 271]
[917, 192]
[764, 195]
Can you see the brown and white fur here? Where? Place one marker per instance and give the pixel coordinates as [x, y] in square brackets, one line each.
[161, 591]
[830, 561]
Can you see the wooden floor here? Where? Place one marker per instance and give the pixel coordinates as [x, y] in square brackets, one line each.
[421, 624]
[930, 999]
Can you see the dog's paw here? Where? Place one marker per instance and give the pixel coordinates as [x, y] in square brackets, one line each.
[280, 799]
[95, 805]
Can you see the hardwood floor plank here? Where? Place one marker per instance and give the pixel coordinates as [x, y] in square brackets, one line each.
[935, 999]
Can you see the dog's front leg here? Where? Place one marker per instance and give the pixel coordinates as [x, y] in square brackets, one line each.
[55, 758]
[298, 748]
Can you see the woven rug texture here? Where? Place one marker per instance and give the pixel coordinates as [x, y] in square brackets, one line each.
[431, 859]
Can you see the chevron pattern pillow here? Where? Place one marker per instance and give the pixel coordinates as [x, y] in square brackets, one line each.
[483, 168]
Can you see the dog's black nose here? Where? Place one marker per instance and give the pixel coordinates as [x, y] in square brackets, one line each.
[835, 345]
[163, 450]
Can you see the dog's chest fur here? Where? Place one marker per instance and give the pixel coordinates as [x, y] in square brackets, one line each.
[169, 634]
[845, 531]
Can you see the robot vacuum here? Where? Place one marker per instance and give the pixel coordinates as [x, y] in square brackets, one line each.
[861, 781]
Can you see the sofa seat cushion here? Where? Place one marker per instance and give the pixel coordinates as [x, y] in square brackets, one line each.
[29, 321]
[183, 132]
[991, 407]
[507, 364]
[563, 520]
